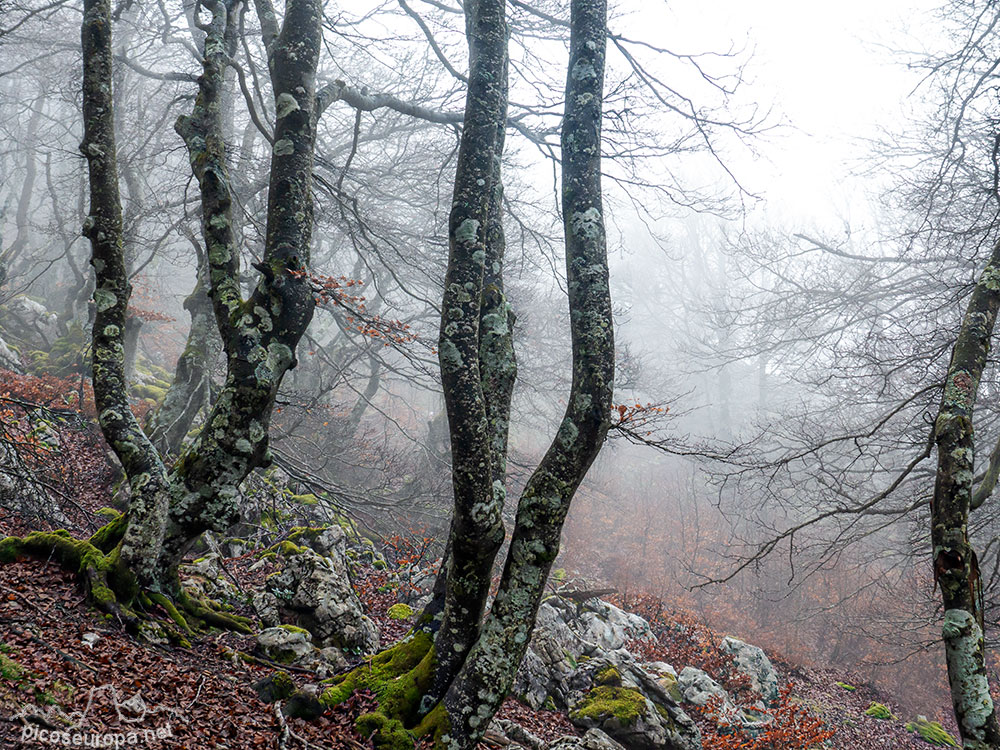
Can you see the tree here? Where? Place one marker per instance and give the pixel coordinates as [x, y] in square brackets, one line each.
[461, 665]
[136, 556]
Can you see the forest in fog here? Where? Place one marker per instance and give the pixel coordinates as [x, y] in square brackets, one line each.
[542, 374]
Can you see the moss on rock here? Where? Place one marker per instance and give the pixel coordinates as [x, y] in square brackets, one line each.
[626, 705]
[400, 611]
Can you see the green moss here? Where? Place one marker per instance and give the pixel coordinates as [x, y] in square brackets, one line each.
[151, 392]
[306, 499]
[435, 726]
[879, 711]
[11, 670]
[294, 629]
[609, 676]
[626, 705]
[400, 611]
[286, 547]
[932, 732]
[9, 550]
[399, 677]
[669, 683]
[845, 686]
[282, 685]
[386, 733]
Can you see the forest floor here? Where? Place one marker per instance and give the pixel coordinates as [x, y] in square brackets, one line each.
[63, 662]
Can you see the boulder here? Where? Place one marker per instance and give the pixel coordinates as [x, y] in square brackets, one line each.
[594, 739]
[699, 688]
[285, 644]
[28, 319]
[316, 592]
[564, 637]
[9, 359]
[626, 702]
[753, 662]
[515, 734]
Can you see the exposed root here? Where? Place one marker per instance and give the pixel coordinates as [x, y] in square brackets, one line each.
[101, 572]
[111, 586]
[400, 677]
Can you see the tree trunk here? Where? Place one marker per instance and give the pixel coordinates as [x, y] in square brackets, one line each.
[103, 227]
[476, 528]
[190, 389]
[956, 569]
[168, 512]
[489, 671]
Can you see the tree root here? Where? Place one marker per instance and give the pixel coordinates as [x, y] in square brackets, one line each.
[400, 677]
[111, 586]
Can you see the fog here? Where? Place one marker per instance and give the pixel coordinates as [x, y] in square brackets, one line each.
[798, 199]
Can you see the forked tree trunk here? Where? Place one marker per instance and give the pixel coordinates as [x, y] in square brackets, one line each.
[168, 511]
[477, 664]
[956, 568]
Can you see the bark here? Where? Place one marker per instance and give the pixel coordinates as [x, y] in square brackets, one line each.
[259, 334]
[476, 529]
[489, 670]
[955, 566]
[167, 512]
[103, 227]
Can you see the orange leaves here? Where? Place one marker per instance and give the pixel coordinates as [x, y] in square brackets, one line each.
[330, 290]
[635, 415]
[787, 726]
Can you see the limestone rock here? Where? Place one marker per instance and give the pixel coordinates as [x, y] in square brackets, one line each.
[753, 662]
[626, 702]
[9, 359]
[699, 688]
[516, 734]
[594, 739]
[29, 320]
[316, 591]
[285, 645]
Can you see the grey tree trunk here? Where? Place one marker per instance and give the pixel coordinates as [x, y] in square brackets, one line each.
[169, 510]
[956, 568]
[489, 670]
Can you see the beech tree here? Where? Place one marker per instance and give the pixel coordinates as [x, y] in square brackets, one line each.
[455, 669]
[135, 558]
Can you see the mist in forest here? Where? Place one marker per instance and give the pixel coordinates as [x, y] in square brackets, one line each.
[795, 223]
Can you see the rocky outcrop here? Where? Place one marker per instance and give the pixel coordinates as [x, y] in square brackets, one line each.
[564, 637]
[313, 590]
[9, 359]
[594, 739]
[28, 320]
[578, 661]
[698, 688]
[628, 703]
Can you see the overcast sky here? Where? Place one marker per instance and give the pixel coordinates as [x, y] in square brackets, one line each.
[835, 74]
